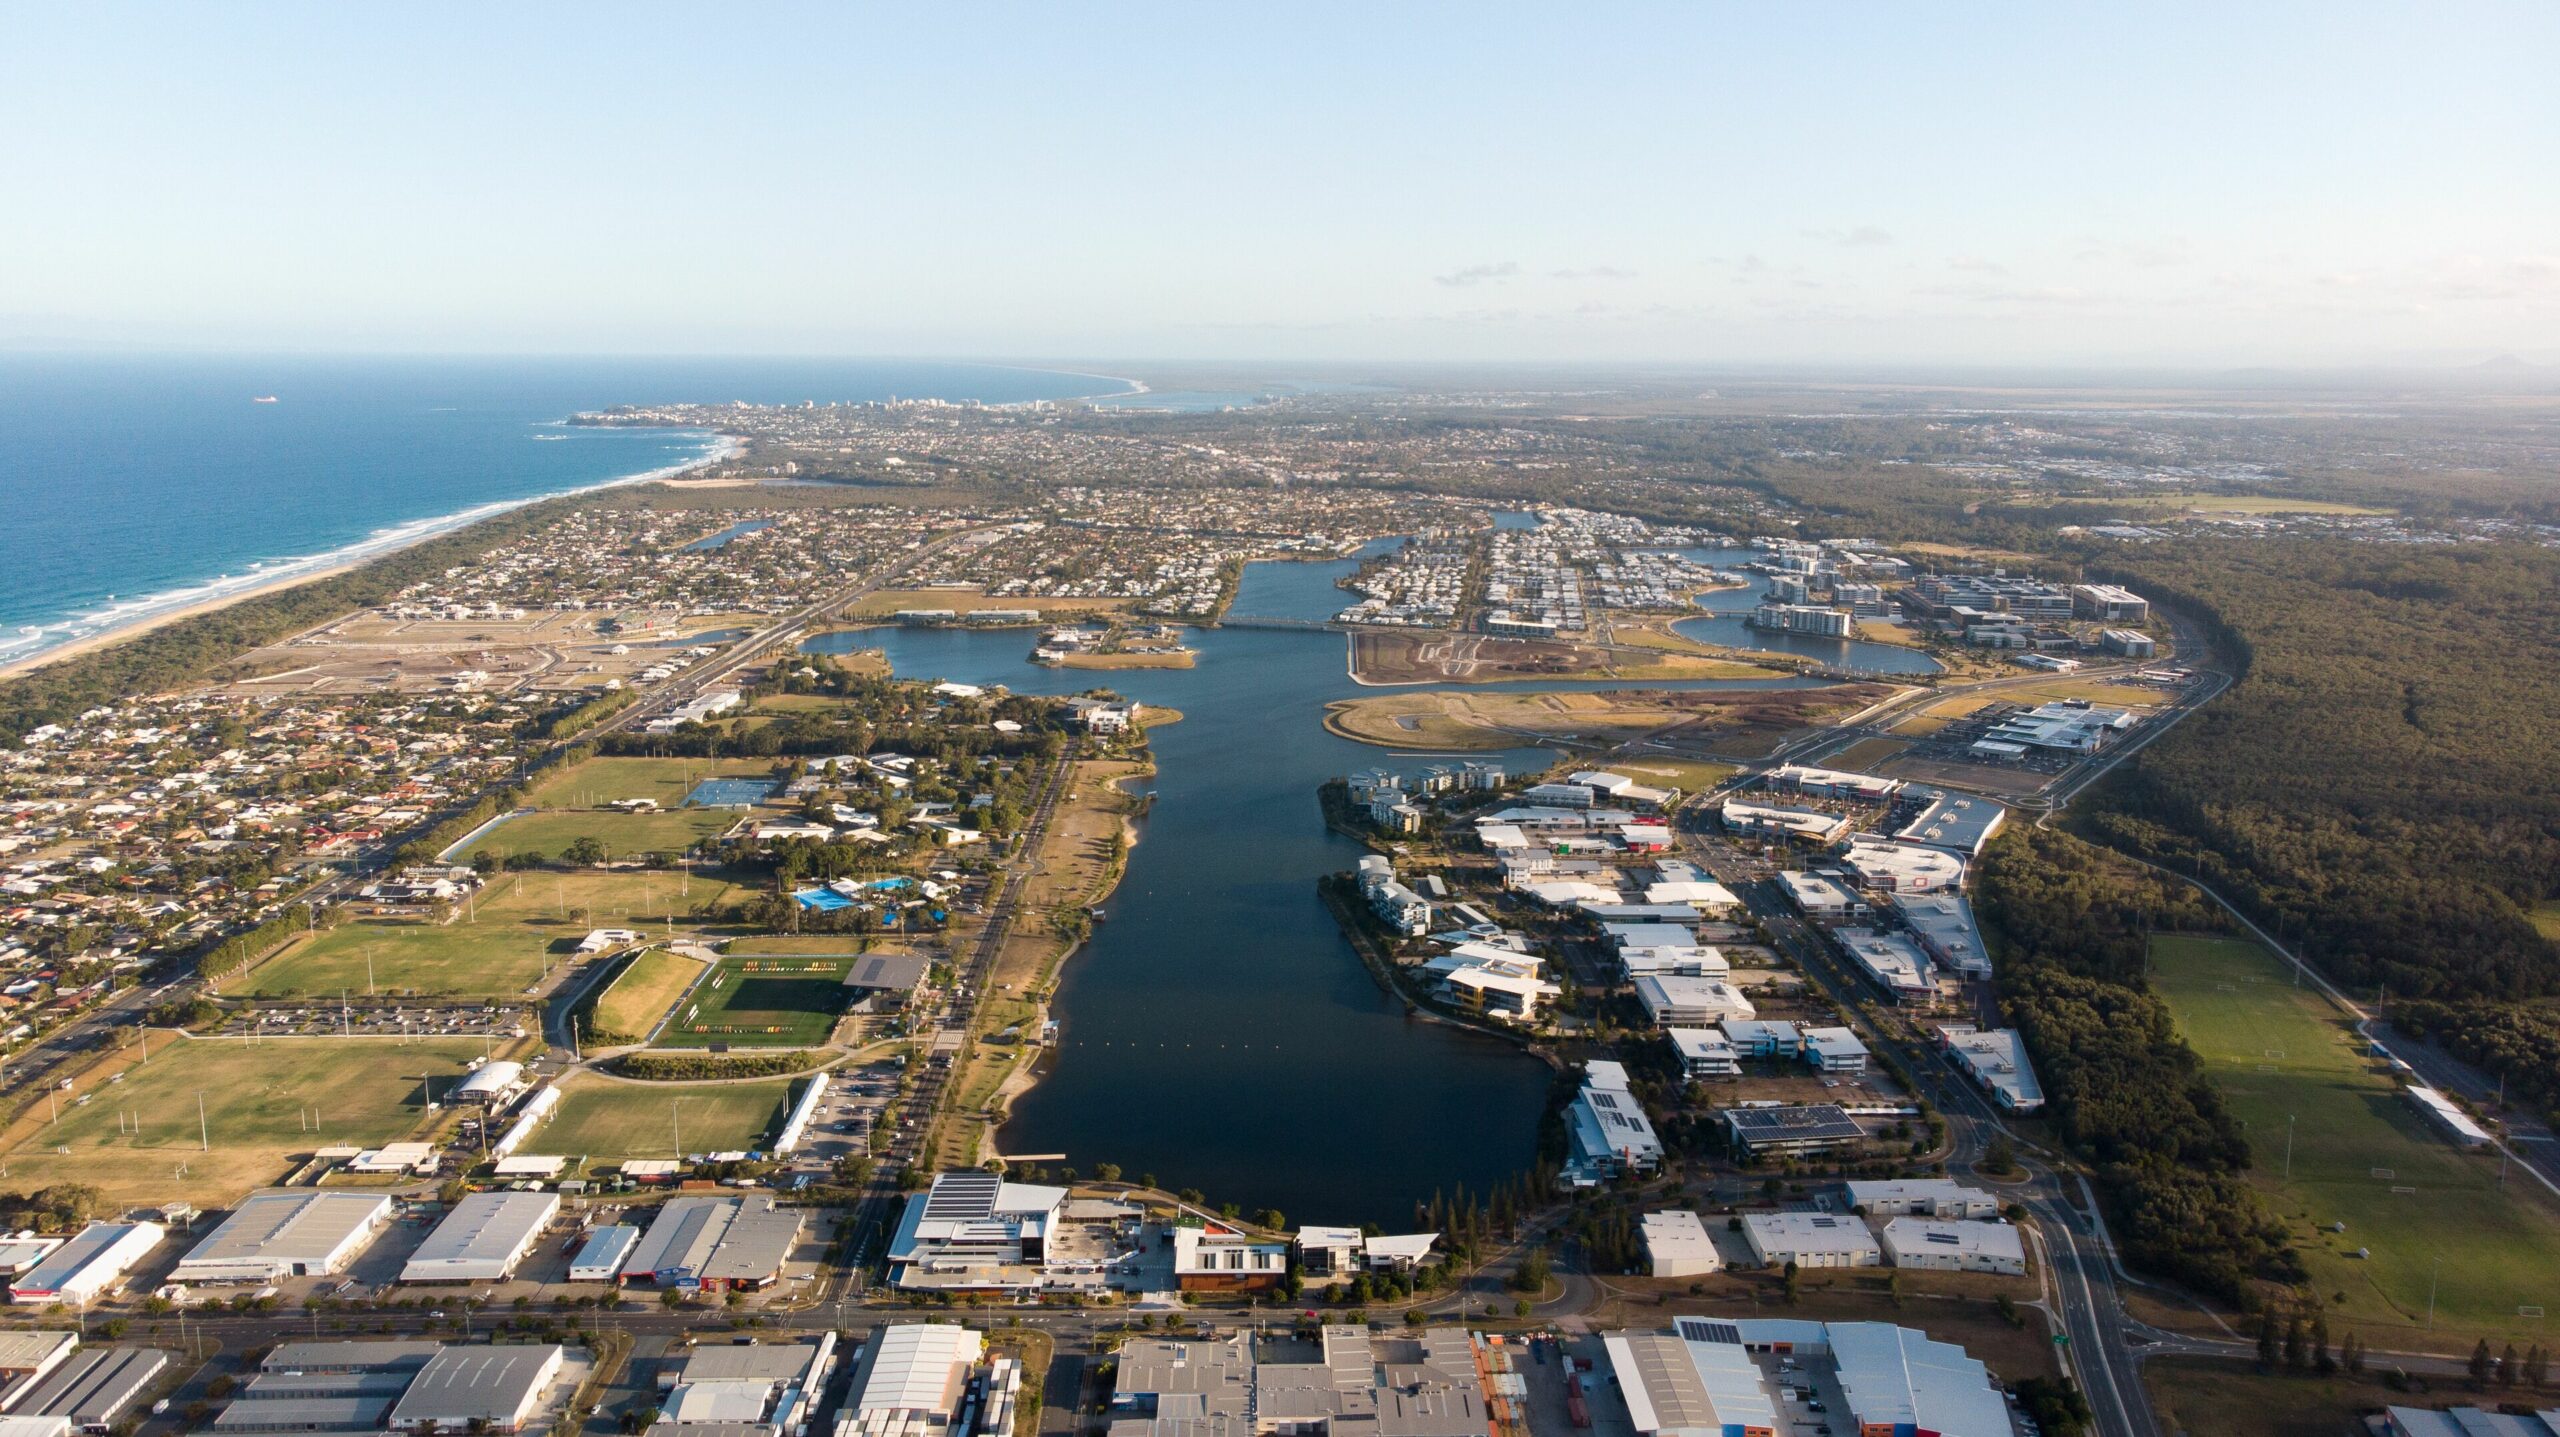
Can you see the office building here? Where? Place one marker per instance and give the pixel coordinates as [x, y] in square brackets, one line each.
[1675, 1002]
[1810, 1239]
[1960, 1245]
[1996, 1060]
[1705, 1053]
[1813, 1128]
[973, 1231]
[1608, 1130]
[1836, 1051]
[1921, 1197]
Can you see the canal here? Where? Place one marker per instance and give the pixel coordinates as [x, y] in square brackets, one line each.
[1217, 1032]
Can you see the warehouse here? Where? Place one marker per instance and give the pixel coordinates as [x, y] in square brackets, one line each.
[1939, 1246]
[1811, 1239]
[1924, 1197]
[1677, 1244]
[95, 1389]
[714, 1243]
[26, 1357]
[601, 1256]
[89, 1265]
[479, 1389]
[24, 1250]
[910, 1381]
[287, 1233]
[483, 1238]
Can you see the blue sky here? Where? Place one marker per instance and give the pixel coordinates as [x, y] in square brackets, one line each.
[2293, 184]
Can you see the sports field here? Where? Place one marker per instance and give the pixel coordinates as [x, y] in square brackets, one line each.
[641, 993]
[137, 1139]
[518, 928]
[604, 1121]
[2361, 1155]
[666, 781]
[774, 1001]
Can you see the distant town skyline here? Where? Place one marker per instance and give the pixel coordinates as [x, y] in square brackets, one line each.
[1975, 185]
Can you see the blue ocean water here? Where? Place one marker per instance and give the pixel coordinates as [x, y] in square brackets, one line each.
[130, 485]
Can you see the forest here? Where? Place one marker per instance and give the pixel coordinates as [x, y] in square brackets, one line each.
[2516, 1043]
[2382, 785]
[2122, 1089]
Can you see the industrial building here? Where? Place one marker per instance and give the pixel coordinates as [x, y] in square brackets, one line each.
[600, 1257]
[1712, 1376]
[910, 1381]
[28, 1357]
[1426, 1383]
[405, 1386]
[766, 1389]
[479, 1389]
[287, 1232]
[1810, 1239]
[93, 1389]
[715, 1244]
[1609, 1132]
[1923, 1197]
[1959, 1245]
[1996, 1060]
[1677, 1244]
[483, 1238]
[1809, 1129]
[89, 1265]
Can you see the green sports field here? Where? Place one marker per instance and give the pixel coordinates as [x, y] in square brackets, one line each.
[605, 1122]
[2361, 1155]
[770, 1001]
[639, 995]
[263, 1103]
[518, 928]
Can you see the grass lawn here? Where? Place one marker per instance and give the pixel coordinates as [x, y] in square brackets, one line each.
[2096, 691]
[1938, 715]
[624, 835]
[2204, 1394]
[788, 1001]
[2263, 504]
[606, 1122]
[131, 1136]
[832, 944]
[2282, 1053]
[1867, 752]
[641, 993]
[600, 781]
[524, 922]
[1686, 775]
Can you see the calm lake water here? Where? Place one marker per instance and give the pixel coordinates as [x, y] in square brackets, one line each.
[1218, 1032]
[1723, 624]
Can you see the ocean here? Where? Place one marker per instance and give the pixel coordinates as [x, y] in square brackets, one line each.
[133, 485]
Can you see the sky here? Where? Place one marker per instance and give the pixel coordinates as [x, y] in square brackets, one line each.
[2290, 184]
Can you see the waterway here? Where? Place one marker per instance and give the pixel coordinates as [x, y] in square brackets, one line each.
[1218, 1032]
[1723, 626]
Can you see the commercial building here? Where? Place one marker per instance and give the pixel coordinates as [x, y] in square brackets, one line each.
[89, 1265]
[2063, 726]
[1765, 1038]
[973, 1231]
[715, 1244]
[1777, 821]
[1810, 1239]
[2110, 604]
[763, 1389]
[1944, 927]
[1705, 1053]
[1835, 1050]
[491, 1084]
[2467, 1422]
[1677, 1244]
[601, 1256]
[1675, 1002]
[1996, 1060]
[483, 1238]
[1609, 1133]
[1921, 1197]
[1832, 782]
[1819, 622]
[1326, 1252]
[1936, 1245]
[1816, 896]
[2128, 643]
[1958, 823]
[1901, 867]
[1213, 1257]
[287, 1232]
[92, 1390]
[1812, 1128]
[1959, 597]
[910, 1381]
[1891, 961]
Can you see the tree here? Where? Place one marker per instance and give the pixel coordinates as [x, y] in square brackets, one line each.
[1531, 1275]
[2480, 1364]
[2510, 1366]
[2268, 1343]
[1999, 1157]
[2321, 1359]
[2352, 1351]
[585, 851]
[2537, 1366]
[2297, 1345]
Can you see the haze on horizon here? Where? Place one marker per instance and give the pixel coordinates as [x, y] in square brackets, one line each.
[2288, 184]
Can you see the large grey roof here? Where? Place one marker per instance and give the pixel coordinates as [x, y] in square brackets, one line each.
[461, 1383]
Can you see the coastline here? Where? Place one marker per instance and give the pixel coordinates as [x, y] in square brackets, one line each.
[156, 611]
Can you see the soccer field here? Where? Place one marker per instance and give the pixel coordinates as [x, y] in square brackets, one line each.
[515, 931]
[605, 1122]
[264, 1103]
[2425, 1210]
[769, 1001]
